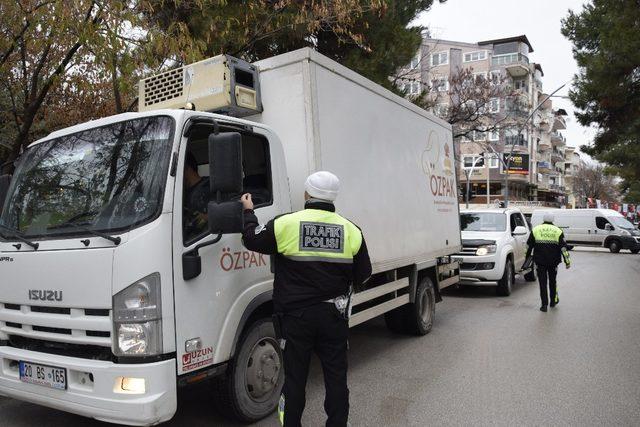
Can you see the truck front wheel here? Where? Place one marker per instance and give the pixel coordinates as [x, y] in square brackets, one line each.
[615, 246]
[415, 318]
[251, 388]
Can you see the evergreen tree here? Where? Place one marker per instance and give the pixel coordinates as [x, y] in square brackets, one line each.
[606, 45]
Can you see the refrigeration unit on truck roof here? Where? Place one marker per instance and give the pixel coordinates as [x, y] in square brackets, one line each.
[222, 84]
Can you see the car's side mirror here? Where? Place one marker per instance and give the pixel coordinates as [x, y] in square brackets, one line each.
[5, 180]
[520, 231]
[225, 163]
[608, 227]
[225, 218]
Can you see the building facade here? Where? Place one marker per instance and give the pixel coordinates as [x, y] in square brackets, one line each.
[535, 145]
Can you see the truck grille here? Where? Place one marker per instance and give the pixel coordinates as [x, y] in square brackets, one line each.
[77, 326]
[164, 86]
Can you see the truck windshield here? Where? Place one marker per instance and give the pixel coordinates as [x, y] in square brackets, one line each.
[108, 178]
[483, 221]
[620, 222]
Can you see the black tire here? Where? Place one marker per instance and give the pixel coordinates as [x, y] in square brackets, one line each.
[530, 276]
[570, 247]
[615, 246]
[415, 318]
[635, 251]
[251, 387]
[505, 284]
[421, 313]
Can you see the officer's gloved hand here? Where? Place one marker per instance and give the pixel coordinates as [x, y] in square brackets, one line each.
[568, 266]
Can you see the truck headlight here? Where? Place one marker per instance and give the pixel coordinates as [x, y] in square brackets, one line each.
[625, 233]
[484, 250]
[137, 317]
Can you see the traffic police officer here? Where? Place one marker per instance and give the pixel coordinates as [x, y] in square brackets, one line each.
[549, 248]
[319, 257]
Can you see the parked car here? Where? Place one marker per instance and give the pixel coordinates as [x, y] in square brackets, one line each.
[494, 247]
[594, 227]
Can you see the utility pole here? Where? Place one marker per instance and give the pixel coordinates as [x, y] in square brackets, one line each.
[507, 161]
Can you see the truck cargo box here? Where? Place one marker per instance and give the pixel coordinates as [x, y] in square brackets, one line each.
[395, 161]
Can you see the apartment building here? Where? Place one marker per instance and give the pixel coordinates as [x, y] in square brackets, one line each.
[538, 146]
[573, 163]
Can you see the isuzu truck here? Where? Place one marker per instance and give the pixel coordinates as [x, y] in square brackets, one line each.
[116, 291]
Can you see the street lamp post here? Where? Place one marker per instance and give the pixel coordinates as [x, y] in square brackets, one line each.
[507, 162]
[468, 174]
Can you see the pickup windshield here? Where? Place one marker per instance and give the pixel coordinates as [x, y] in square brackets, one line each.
[483, 221]
[108, 178]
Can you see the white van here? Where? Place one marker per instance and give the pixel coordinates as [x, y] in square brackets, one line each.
[594, 227]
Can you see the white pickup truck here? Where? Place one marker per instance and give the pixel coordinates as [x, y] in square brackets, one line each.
[494, 248]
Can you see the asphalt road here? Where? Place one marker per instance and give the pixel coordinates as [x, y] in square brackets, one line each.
[488, 361]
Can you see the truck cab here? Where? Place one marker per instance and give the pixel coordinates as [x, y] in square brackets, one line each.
[494, 247]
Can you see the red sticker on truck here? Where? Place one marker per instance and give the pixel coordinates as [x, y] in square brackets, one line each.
[197, 359]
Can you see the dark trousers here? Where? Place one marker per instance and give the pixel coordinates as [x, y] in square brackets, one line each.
[550, 272]
[320, 329]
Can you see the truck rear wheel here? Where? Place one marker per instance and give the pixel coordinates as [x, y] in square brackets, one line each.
[505, 284]
[635, 251]
[415, 318]
[251, 388]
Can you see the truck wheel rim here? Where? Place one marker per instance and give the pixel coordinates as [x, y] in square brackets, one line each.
[425, 307]
[263, 369]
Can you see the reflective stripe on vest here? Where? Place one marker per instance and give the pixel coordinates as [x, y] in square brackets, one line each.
[547, 233]
[317, 235]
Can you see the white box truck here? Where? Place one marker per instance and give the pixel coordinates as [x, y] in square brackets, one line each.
[114, 294]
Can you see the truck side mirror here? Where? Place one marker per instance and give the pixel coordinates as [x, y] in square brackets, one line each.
[225, 162]
[225, 218]
[608, 227]
[5, 180]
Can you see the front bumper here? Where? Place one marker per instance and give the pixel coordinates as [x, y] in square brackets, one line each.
[480, 277]
[95, 399]
[630, 242]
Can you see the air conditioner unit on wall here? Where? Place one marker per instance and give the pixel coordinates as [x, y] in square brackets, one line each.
[222, 84]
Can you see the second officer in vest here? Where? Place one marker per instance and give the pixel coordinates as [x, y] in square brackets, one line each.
[319, 257]
[549, 247]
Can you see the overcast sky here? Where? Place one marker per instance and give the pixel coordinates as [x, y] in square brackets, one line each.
[478, 20]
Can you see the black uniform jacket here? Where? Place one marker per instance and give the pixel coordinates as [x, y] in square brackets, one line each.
[548, 254]
[300, 284]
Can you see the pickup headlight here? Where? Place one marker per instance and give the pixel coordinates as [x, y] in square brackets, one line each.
[488, 249]
[137, 317]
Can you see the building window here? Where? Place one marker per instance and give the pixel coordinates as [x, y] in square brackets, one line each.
[494, 162]
[469, 159]
[496, 76]
[494, 135]
[479, 136]
[475, 56]
[441, 110]
[479, 77]
[416, 61]
[440, 58]
[520, 84]
[494, 105]
[440, 84]
[513, 138]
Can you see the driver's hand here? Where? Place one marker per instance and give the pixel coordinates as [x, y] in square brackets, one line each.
[568, 266]
[247, 203]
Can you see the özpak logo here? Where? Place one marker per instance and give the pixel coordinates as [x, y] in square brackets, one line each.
[438, 166]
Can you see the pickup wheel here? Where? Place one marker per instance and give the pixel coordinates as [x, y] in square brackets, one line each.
[250, 390]
[415, 318]
[615, 246]
[505, 284]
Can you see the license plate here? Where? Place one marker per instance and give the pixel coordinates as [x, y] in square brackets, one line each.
[47, 376]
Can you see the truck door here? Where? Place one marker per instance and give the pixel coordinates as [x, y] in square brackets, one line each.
[213, 302]
[600, 232]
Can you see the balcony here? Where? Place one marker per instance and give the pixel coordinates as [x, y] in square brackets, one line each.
[516, 64]
[557, 155]
[556, 188]
[557, 138]
[559, 122]
[544, 144]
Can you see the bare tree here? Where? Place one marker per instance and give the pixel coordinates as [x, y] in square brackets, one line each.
[591, 181]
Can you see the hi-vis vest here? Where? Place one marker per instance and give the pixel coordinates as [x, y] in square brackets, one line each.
[547, 233]
[317, 235]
